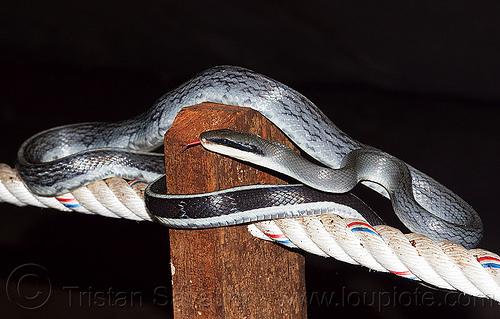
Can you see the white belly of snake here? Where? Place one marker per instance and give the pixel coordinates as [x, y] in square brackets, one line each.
[61, 159]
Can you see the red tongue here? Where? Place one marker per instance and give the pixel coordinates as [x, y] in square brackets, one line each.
[198, 142]
[188, 145]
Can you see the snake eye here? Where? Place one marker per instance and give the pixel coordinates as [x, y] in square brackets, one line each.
[237, 145]
[222, 141]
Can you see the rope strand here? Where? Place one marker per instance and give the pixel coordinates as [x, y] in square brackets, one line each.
[382, 248]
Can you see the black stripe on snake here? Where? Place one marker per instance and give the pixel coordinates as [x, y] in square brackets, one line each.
[61, 159]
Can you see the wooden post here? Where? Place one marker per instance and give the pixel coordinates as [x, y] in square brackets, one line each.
[226, 272]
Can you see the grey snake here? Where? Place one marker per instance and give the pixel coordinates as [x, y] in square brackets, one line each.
[61, 159]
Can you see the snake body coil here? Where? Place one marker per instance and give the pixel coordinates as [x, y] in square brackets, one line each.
[60, 159]
[250, 204]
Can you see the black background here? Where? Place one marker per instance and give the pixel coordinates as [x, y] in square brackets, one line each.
[419, 80]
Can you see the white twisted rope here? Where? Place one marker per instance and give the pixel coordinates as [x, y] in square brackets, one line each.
[382, 248]
[113, 197]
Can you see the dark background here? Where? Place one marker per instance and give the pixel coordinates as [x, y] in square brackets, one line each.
[419, 80]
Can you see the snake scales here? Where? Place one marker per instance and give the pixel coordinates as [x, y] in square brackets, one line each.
[61, 159]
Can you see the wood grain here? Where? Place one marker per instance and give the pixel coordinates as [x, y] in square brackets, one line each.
[225, 272]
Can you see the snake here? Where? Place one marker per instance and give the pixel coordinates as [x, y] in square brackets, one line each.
[61, 159]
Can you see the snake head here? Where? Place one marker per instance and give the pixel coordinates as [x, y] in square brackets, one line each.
[239, 145]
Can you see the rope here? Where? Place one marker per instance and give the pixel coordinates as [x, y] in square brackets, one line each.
[113, 197]
[382, 248]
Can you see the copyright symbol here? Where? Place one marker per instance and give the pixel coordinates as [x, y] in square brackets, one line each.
[29, 286]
